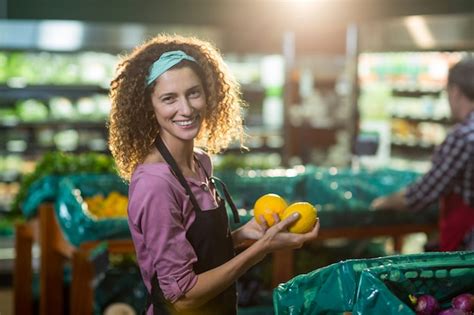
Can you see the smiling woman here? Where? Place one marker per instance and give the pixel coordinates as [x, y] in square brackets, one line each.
[170, 96]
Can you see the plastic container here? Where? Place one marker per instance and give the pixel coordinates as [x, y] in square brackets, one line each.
[76, 225]
[386, 289]
[333, 289]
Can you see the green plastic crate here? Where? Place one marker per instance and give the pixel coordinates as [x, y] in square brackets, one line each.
[76, 225]
[386, 289]
[333, 289]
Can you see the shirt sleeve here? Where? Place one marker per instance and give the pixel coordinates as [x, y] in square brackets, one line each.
[448, 161]
[156, 213]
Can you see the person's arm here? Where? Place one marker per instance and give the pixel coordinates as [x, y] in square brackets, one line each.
[396, 201]
[214, 281]
[448, 161]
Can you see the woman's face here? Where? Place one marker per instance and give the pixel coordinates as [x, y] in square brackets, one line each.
[179, 103]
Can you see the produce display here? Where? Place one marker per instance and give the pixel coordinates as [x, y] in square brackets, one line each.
[270, 205]
[426, 304]
[59, 163]
[112, 206]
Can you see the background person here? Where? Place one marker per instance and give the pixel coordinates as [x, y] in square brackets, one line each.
[451, 177]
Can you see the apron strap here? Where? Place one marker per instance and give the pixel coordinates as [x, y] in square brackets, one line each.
[228, 198]
[160, 145]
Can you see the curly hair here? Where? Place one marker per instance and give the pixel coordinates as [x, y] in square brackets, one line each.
[132, 124]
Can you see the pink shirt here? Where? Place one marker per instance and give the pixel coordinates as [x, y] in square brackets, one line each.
[159, 215]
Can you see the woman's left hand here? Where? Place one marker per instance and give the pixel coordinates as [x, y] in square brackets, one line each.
[250, 231]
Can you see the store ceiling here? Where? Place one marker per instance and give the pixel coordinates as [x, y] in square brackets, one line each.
[248, 25]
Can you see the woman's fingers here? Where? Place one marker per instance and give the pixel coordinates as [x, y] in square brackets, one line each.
[283, 225]
[263, 223]
[313, 234]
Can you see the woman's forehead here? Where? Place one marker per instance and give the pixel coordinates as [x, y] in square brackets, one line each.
[177, 78]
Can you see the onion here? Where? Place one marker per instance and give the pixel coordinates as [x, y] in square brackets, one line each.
[426, 305]
[463, 302]
[452, 311]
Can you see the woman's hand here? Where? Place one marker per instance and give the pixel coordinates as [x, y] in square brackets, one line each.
[250, 231]
[277, 237]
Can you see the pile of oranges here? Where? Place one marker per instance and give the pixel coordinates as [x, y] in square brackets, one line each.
[270, 204]
[112, 206]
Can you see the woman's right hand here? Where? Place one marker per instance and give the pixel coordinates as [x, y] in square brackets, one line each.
[277, 237]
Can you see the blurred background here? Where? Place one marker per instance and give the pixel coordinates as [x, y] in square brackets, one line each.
[331, 85]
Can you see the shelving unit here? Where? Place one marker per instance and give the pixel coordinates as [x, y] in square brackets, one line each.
[403, 99]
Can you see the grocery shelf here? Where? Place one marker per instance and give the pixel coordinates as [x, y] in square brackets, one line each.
[49, 90]
[442, 121]
[76, 124]
[415, 92]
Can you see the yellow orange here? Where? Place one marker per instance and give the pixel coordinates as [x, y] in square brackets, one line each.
[267, 205]
[308, 215]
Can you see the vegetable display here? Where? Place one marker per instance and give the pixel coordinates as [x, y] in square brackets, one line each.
[59, 163]
[112, 206]
[426, 304]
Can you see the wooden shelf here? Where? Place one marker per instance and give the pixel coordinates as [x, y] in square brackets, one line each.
[397, 92]
[444, 121]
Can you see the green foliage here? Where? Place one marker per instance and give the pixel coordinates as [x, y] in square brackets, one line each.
[60, 163]
[247, 162]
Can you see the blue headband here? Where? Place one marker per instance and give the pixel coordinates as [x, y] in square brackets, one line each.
[165, 62]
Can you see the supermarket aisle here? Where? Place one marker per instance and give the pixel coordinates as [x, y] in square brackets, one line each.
[6, 301]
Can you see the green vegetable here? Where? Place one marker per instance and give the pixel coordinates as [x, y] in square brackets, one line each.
[60, 163]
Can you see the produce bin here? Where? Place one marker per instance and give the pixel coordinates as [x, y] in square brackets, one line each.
[344, 195]
[386, 289]
[42, 190]
[333, 289]
[77, 225]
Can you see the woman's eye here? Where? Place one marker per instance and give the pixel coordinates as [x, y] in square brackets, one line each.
[195, 93]
[167, 100]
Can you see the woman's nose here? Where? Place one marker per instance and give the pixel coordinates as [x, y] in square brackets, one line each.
[185, 107]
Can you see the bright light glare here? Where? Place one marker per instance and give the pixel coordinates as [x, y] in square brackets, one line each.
[60, 35]
[419, 31]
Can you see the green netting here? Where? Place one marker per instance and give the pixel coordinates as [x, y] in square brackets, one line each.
[333, 289]
[120, 285]
[42, 190]
[247, 186]
[347, 189]
[386, 289]
[345, 195]
[76, 225]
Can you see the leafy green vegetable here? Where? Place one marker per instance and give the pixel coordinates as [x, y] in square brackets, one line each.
[60, 163]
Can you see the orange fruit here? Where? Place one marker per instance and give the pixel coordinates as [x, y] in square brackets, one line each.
[307, 220]
[268, 204]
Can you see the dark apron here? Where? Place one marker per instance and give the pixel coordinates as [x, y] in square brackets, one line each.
[211, 239]
[456, 220]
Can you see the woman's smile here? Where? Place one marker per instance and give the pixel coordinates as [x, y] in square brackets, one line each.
[187, 123]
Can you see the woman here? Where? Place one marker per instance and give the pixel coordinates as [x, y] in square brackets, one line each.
[170, 96]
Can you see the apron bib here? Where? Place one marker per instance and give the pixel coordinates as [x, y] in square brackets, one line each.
[211, 239]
